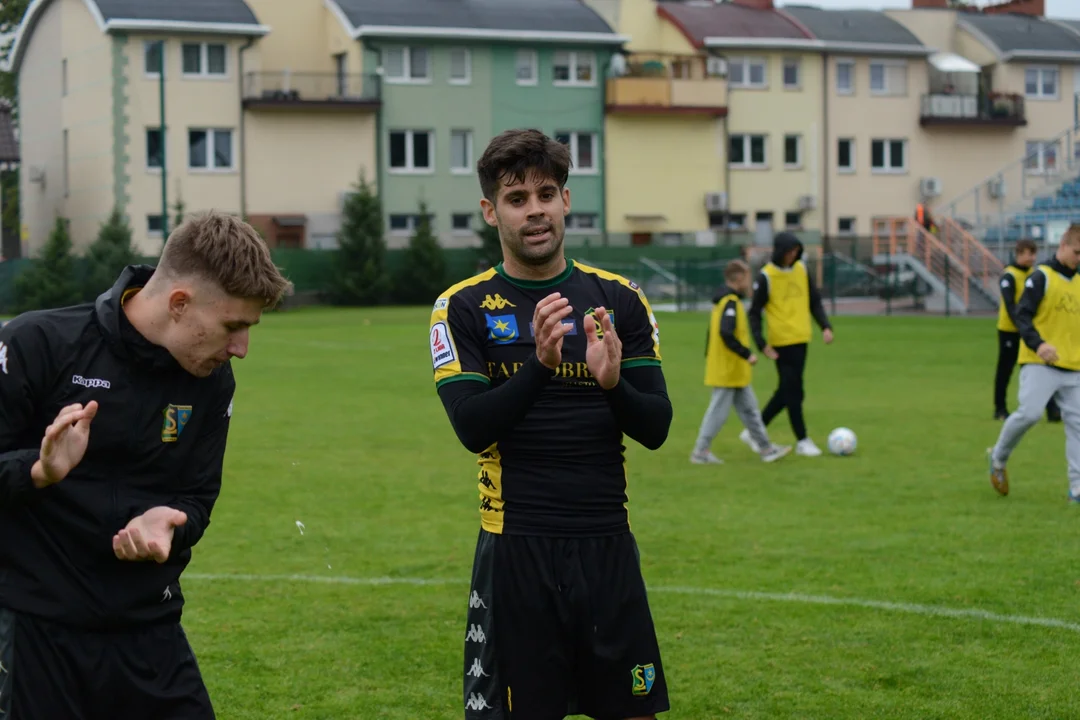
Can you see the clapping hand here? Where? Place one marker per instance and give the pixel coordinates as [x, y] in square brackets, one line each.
[550, 329]
[603, 355]
[149, 536]
[64, 444]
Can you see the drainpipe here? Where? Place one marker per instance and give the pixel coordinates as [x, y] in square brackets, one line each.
[727, 163]
[377, 79]
[243, 133]
[826, 245]
[603, 152]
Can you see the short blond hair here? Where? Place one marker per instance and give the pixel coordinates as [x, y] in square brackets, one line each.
[735, 269]
[1072, 235]
[227, 251]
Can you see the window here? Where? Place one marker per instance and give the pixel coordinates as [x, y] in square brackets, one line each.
[155, 225]
[582, 222]
[575, 68]
[204, 59]
[736, 221]
[888, 155]
[155, 149]
[410, 150]
[792, 220]
[748, 151]
[460, 66]
[845, 77]
[582, 150]
[152, 55]
[461, 222]
[845, 155]
[461, 151]
[792, 77]
[526, 71]
[1041, 157]
[406, 64]
[888, 78]
[341, 68]
[846, 225]
[405, 224]
[792, 151]
[1041, 82]
[210, 149]
[747, 72]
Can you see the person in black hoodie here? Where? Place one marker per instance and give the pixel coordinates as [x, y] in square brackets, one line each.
[788, 297]
[113, 424]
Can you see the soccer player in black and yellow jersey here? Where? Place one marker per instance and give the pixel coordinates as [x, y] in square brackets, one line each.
[786, 294]
[1012, 284]
[729, 365]
[543, 366]
[1048, 319]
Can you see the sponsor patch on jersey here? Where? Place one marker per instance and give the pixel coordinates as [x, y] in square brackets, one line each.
[634, 285]
[442, 349]
[503, 329]
[440, 304]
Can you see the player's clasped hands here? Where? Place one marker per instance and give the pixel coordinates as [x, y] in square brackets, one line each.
[550, 329]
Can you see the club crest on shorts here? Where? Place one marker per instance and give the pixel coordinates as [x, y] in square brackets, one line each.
[176, 417]
[644, 677]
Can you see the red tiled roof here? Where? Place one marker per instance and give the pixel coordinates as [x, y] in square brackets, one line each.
[698, 21]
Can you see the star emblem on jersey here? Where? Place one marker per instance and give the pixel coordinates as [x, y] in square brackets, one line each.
[503, 329]
[644, 676]
[496, 302]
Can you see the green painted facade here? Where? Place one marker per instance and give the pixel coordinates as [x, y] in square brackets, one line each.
[491, 102]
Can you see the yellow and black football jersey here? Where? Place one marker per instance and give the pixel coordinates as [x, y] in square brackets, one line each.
[551, 447]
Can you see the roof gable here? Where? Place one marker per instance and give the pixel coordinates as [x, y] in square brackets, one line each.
[852, 26]
[1018, 37]
[509, 20]
[701, 20]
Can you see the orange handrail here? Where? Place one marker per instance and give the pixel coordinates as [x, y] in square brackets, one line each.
[904, 233]
[974, 251]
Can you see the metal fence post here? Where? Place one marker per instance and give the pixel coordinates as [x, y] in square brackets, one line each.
[948, 292]
[890, 286]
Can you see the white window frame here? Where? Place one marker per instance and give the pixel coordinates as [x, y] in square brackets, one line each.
[467, 80]
[574, 58]
[797, 64]
[204, 62]
[888, 91]
[575, 135]
[748, 163]
[573, 228]
[467, 168]
[887, 157]
[1041, 71]
[410, 167]
[164, 148]
[1040, 154]
[852, 147]
[533, 59]
[797, 165]
[850, 230]
[850, 64]
[406, 66]
[154, 74]
[211, 143]
[746, 62]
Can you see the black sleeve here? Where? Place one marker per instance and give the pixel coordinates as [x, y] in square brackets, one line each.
[641, 405]
[24, 358]
[481, 416]
[1034, 289]
[728, 319]
[817, 307]
[1008, 295]
[757, 305]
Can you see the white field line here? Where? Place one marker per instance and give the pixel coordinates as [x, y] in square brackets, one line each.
[908, 608]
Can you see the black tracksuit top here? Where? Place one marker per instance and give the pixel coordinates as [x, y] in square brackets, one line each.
[158, 440]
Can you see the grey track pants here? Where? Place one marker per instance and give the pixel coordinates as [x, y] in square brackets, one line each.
[746, 406]
[1039, 383]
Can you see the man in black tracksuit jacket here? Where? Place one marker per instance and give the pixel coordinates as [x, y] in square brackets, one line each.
[86, 633]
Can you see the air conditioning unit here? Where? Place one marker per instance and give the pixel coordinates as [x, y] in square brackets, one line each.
[930, 187]
[996, 187]
[807, 202]
[716, 201]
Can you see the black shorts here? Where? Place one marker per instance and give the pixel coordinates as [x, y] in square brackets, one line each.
[52, 672]
[557, 627]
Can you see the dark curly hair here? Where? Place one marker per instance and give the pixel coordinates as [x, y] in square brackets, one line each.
[514, 154]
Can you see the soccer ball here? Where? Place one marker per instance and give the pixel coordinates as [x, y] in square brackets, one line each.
[842, 441]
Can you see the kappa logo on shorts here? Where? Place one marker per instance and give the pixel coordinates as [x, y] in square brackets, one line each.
[176, 418]
[644, 676]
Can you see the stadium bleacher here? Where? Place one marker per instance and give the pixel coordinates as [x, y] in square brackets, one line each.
[1064, 205]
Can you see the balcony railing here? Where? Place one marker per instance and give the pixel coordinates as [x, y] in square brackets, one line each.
[955, 109]
[667, 83]
[286, 88]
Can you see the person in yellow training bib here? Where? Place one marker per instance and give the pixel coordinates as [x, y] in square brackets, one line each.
[728, 370]
[1048, 319]
[1012, 284]
[786, 294]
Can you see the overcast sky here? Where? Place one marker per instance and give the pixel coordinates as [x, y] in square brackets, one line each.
[1069, 9]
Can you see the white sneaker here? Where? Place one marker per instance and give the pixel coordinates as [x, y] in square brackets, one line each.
[807, 448]
[775, 452]
[705, 458]
[745, 437]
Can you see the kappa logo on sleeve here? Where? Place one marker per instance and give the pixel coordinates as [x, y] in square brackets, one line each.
[3, 358]
[442, 348]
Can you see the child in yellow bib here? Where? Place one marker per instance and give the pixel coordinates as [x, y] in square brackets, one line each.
[728, 363]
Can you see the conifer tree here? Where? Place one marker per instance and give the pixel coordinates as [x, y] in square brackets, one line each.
[49, 281]
[422, 276]
[108, 255]
[359, 271]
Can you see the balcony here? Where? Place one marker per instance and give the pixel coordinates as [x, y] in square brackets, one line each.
[993, 109]
[285, 89]
[667, 85]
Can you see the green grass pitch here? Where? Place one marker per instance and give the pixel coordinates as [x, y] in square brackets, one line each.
[810, 588]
